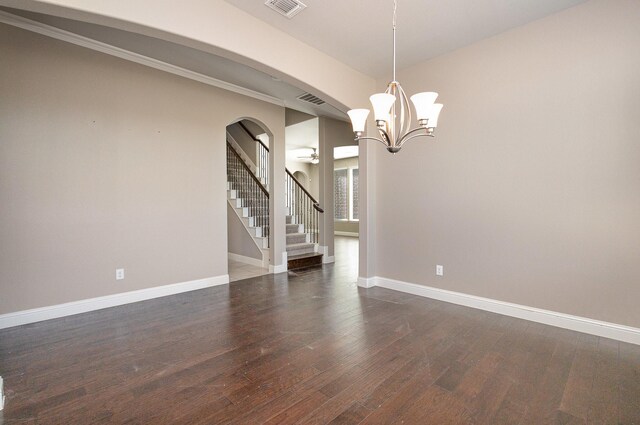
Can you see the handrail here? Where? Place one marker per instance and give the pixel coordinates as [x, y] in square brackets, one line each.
[255, 179]
[316, 204]
[244, 127]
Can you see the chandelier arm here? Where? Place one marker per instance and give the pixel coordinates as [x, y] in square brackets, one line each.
[385, 136]
[406, 139]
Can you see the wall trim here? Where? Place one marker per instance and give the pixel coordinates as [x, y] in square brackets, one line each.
[89, 43]
[244, 259]
[278, 269]
[352, 234]
[366, 282]
[76, 307]
[561, 320]
[326, 259]
[282, 267]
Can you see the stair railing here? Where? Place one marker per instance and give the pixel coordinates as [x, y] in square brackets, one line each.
[303, 206]
[262, 156]
[248, 188]
[300, 203]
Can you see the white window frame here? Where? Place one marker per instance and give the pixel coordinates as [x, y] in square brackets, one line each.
[349, 194]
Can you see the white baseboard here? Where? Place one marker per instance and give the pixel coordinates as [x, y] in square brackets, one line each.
[68, 309]
[278, 269]
[282, 267]
[352, 234]
[366, 282]
[326, 259]
[561, 320]
[244, 259]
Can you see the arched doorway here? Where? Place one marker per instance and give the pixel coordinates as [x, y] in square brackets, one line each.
[248, 206]
[303, 178]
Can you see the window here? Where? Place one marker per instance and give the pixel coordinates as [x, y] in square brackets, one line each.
[354, 194]
[341, 206]
[345, 195]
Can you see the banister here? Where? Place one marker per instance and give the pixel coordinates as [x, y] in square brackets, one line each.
[246, 167]
[316, 204]
[255, 139]
[305, 191]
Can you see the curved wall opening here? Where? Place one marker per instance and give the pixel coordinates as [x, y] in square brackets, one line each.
[248, 206]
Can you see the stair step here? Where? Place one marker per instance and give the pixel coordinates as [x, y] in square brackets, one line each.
[294, 228]
[300, 248]
[295, 262]
[294, 238]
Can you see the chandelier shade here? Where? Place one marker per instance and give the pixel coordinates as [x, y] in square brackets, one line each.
[358, 119]
[382, 103]
[433, 114]
[392, 111]
[423, 103]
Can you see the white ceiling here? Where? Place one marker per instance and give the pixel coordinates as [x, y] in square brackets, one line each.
[301, 139]
[358, 32]
[192, 59]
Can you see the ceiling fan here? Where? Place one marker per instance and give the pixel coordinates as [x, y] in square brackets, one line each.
[314, 157]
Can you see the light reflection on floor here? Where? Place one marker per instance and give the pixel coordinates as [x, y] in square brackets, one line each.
[346, 263]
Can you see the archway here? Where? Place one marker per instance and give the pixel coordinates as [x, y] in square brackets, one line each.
[303, 178]
[249, 208]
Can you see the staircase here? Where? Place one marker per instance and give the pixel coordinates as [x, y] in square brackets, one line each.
[302, 225]
[250, 201]
[300, 252]
[247, 194]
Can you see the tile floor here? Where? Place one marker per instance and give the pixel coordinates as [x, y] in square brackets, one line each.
[239, 271]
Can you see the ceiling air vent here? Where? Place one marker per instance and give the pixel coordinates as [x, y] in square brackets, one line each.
[288, 8]
[308, 97]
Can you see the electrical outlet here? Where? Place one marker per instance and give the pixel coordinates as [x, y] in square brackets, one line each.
[119, 274]
[439, 270]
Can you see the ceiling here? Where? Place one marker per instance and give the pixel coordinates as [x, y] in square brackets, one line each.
[189, 58]
[355, 32]
[358, 32]
[301, 138]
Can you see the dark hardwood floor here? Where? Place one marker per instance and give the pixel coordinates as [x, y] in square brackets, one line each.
[312, 348]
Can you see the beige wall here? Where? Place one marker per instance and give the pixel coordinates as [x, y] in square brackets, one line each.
[244, 140]
[311, 170]
[293, 117]
[332, 133]
[239, 240]
[107, 164]
[531, 191]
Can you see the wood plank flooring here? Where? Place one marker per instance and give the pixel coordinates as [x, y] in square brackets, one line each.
[312, 348]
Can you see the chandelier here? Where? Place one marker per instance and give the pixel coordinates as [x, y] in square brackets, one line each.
[395, 129]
